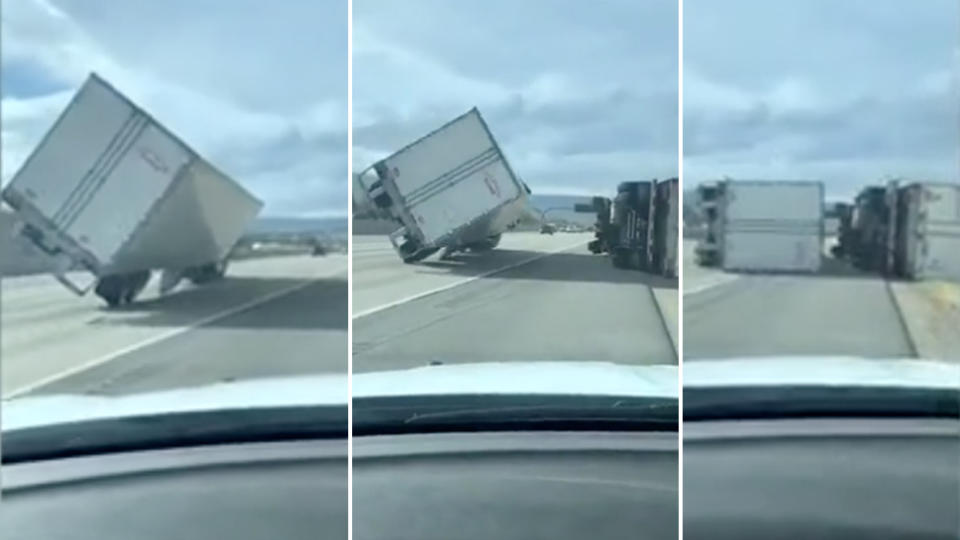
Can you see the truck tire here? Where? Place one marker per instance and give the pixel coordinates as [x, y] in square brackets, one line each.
[220, 270]
[207, 273]
[109, 289]
[485, 245]
[134, 283]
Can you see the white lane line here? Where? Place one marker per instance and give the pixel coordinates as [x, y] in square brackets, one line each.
[449, 286]
[715, 282]
[158, 338]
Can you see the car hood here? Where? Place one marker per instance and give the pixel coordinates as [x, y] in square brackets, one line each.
[608, 379]
[821, 371]
[521, 378]
[516, 378]
[303, 391]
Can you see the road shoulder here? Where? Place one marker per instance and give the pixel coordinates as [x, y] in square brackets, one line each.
[668, 302]
[931, 313]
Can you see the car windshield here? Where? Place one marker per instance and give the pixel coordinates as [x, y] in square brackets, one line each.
[821, 202]
[500, 217]
[174, 205]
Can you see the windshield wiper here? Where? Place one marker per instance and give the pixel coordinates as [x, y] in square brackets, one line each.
[159, 431]
[766, 402]
[474, 413]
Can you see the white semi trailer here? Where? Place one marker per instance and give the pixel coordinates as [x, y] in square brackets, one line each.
[113, 192]
[764, 226]
[452, 189]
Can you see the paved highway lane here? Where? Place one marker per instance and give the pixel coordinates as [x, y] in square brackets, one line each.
[839, 312]
[553, 300]
[278, 316]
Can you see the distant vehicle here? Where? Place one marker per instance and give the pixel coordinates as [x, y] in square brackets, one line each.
[763, 225]
[452, 189]
[547, 228]
[318, 250]
[112, 191]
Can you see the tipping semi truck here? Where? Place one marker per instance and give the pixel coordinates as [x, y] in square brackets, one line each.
[111, 191]
[640, 227]
[452, 189]
[762, 225]
[906, 230]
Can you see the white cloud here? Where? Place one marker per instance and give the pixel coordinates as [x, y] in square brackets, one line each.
[843, 92]
[233, 108]
[387, 75]
[578, 100]
[700, 92]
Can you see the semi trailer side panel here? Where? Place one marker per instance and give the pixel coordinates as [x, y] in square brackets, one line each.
[775, 201]
[449, 188]
[771, 226]
[778, 250]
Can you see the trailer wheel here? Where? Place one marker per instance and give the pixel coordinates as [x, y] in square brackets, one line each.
[220, 269]
[207, 273]
[485, 245]
[134, 285]
[109, 290]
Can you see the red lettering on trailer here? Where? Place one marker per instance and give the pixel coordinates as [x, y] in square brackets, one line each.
[492, 185]
[153, 160]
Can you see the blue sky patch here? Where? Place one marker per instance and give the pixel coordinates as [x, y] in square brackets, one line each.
[20, 79]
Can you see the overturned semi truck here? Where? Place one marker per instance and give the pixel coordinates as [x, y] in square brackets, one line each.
[639, 228]
[111, 191]
[451, 190]
[909, 230]
[762, 225]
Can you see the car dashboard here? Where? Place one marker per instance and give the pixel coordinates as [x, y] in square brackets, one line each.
[523, 485]
[275, 490]
[822, 478]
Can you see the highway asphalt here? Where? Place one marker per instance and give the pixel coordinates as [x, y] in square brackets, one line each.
[536, 297]
[839, 311]
[269, 317]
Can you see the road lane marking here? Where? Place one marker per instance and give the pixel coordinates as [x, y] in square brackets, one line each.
[715, 282]
[160, 337]
[666, 325]
[901, 318]
[449, 286]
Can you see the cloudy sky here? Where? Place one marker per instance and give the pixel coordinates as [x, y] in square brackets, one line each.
[580, 95]
[847, 92]
[259, 88]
